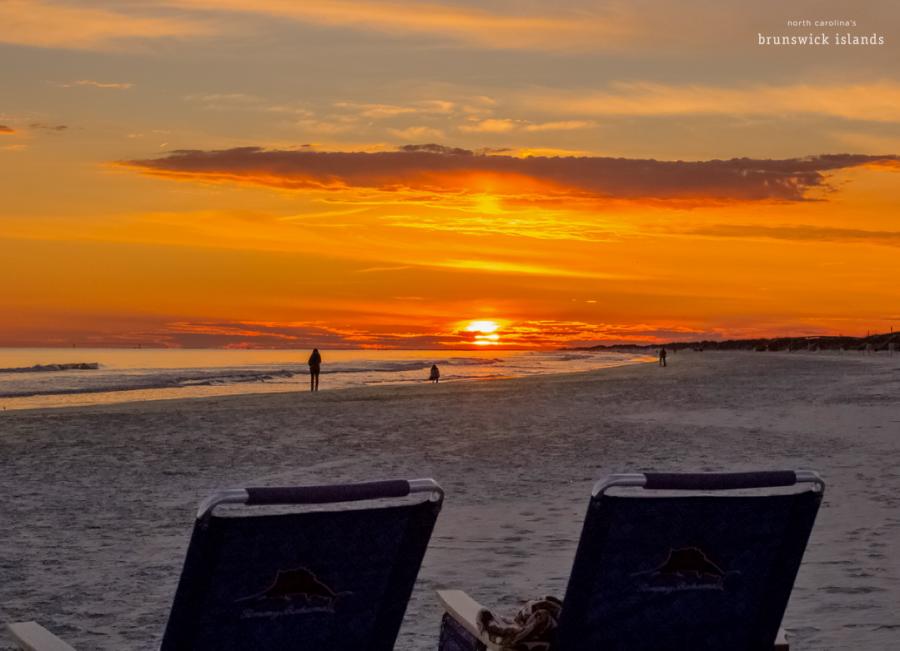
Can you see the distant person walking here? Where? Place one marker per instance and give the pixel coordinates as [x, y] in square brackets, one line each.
[662, 356]
[435, 374]
[315, 366]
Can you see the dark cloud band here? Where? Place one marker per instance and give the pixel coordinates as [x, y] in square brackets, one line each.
[435, 168]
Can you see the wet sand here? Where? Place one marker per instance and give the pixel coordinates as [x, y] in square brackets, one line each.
[98, 502]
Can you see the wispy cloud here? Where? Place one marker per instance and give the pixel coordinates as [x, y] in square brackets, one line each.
[5, 130]
[874, 101]
[436, 169]
[38, 23]
[490, 125]
[246, 102]
[508, 267]
[43, 126]
[434, 108]
[562, 125]
[330, 126]
[536, 333]
[255, 334]
[560, 30]
[91, 83]
[802, 233]
[541, 333]
[417, 133]
[372, 270]
[507, 125]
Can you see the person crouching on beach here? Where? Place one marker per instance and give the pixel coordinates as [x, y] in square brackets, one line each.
[435, 374]
[662, 356]
[315, 365]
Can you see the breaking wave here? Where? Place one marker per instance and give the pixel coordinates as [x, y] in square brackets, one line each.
[49, 368]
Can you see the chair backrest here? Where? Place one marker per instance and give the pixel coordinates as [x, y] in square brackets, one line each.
[677, 571]
[323, 579]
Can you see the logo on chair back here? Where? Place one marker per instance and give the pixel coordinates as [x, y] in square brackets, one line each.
[292, 592]
[687, 568]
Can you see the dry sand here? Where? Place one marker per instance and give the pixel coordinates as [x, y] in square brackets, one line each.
[98, 502]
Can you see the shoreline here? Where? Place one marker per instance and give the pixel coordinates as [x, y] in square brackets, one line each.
[238, 390]
[239, 393]
[406, 386]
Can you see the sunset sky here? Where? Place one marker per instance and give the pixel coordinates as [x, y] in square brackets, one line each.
[347, 173]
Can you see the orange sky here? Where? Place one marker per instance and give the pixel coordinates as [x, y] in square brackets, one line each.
[257, 174]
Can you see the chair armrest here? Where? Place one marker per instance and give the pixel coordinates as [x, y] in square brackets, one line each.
[464, 610]
[31, 636]
[781, 643]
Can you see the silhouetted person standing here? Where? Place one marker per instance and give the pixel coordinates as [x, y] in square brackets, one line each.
[662, 356]
[435, 374]
[315, 365]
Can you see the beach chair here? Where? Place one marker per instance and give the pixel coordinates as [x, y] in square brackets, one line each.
[317, 580]
[661, 569]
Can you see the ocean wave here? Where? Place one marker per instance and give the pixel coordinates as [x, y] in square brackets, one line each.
[118, 382]
[472, 361]
[235, 378]
[374, 367]
[50, 368]
[364, 366]
[571, 357]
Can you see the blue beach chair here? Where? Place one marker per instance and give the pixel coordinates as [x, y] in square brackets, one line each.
[665, 570]
[336, 580]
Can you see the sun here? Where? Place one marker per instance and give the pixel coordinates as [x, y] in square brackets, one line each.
[486, 327]
[484, 332]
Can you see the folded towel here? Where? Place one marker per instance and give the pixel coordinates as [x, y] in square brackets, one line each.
[533, 628]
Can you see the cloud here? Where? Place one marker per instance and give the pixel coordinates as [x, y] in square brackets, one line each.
[437, 106]
[331, 126]
[433, 148]
[309, 334]
[374, 111]
[437, 169]
[505, 125]
[371, 270]
[802, 233]
[246, 102]
[113, 85]
[873, 101]
[516, 268]
[417, 133]
[564, 125]
[297, 334]
[256, 334]
[37, 23]
[48, 127]
[550, 332]
[873, 142]
[417, 120]
[491, 125]
[5, 130]
[560, 30]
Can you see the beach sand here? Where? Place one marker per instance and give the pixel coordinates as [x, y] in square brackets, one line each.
[98, 502]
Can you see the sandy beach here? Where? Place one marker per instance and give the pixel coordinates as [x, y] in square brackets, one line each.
[98, 502]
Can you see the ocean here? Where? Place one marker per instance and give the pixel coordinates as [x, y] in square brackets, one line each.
[45, 377]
